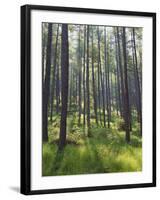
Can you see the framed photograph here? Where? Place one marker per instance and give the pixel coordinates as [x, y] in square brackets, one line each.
[88, 99]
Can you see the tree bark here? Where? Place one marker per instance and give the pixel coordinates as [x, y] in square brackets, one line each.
[118, 75]
[80, 77]
[54, 75]
[84, 79]
[101, 78]
[137, 83]
[126, 96]
[121, 71]
[98, 71]
[93, 83]
[87, 81]
[43, 53]
[57, 84]
[106, 57]
[46, 88]
[64, 89]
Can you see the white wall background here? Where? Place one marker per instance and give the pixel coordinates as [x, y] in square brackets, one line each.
[10, 99]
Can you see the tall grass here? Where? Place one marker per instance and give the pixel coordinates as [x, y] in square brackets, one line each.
[105, 151]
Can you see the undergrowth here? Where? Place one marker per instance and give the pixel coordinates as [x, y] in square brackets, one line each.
[104, 151]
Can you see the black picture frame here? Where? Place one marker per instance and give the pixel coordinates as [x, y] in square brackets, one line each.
[26, 98]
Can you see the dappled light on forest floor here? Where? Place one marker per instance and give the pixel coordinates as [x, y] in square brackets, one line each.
[104, 151]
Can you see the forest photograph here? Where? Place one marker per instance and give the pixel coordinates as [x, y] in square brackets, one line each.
[91, 99]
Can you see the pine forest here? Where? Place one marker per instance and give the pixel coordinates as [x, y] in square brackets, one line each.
[91, 99]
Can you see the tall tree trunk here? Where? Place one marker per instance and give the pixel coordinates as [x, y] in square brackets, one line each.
[71, 88]
[108, 79]
[93, 83]
[111, 91]
[130, 103]
[46, 88]
[102, 83]
[80, 76]
[87, 81]
[76, 90]
[43, 53]
[118, 75]
[116, 95]
[121, 71]
[138, 83]
[54, 75]
[57, 85]
[126, 96]
[64, 89]
[99, 91]
[140, 73]
[84, 79]
[107, 76]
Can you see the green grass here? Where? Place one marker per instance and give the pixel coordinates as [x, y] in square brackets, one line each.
[105, 151]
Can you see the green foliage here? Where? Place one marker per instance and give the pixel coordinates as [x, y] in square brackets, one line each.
[105, 151]
[121, 124]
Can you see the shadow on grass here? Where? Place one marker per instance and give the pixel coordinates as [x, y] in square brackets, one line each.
[94, 155]
[102, 151]
[57, 161]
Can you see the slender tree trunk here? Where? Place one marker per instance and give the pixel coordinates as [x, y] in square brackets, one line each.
[84, 77]
[57, 86]
[108, 79]
[118, 76]
[43, 54]
[102, 83]
[99, 96]
[93, 83]
[116, 95]
[80, 76]
[54, 75]
[60, 79]
[87, 81]
[106, 76]
[121, 71]
[76, 90]
[119, 91]
[71, 88]
[111, 89]
[99, 92]
[126, 96]
[138, 83]
[46, 88]
[64, 89]
[130, 103]
[140, 73]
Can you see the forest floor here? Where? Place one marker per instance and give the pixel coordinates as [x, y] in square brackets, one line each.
[104, 151]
